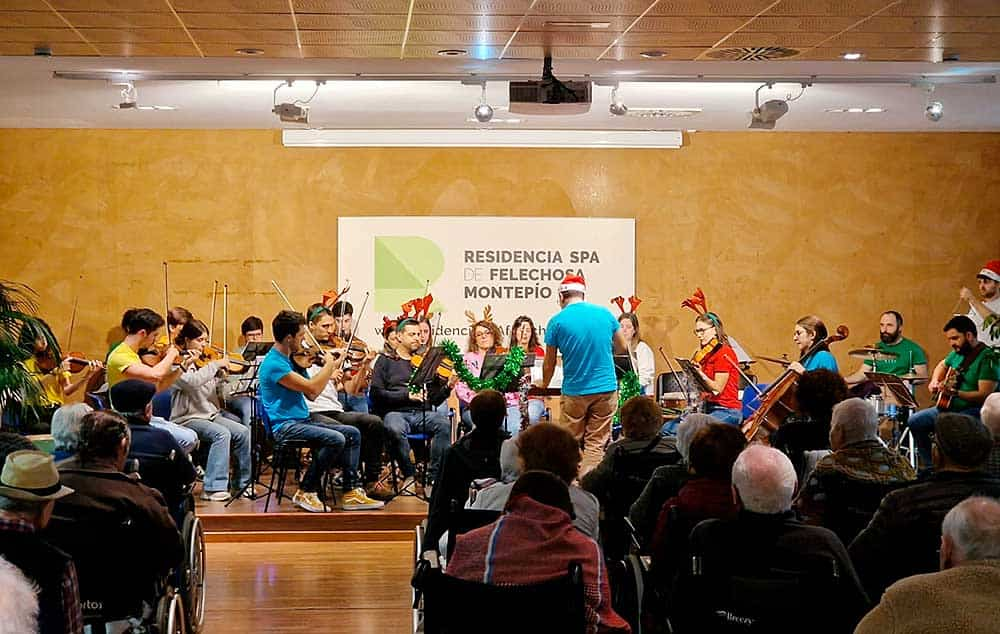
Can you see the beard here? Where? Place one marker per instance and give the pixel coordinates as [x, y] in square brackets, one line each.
[888, 337]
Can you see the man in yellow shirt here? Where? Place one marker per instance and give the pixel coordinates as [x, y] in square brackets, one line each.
[142, 328]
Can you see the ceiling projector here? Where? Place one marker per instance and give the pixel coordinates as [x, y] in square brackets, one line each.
[291, 112]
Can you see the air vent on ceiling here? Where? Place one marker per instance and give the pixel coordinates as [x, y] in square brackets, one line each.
[663, 113]
[752, 53]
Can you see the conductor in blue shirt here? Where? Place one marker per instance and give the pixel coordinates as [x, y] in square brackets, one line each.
[585, 335]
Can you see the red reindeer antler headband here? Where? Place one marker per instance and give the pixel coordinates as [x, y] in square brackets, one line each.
[331, 296]
[696, 302]
[633, 303]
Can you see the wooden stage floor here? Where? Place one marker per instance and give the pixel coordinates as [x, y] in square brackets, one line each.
[299, 587]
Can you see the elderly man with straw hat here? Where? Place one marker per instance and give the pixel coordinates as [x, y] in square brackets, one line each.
[29, 486]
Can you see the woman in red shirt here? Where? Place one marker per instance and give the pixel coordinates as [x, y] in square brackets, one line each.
[718, 368]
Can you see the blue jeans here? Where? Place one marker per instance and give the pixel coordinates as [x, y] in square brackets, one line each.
[354, 403]
[350, 458]
[186, 438]
[242, 406]
[328, 442]
[921, 425]
[730, 416]
[398, 424]
[222, 432]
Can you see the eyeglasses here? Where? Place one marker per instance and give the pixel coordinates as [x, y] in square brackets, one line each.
[699, 331]
[483, 333]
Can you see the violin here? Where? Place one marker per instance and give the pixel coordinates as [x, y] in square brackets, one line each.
[778, 401]
[154, 354]
[706, 350]
[47, 363]
[445, 369]
[214, 353]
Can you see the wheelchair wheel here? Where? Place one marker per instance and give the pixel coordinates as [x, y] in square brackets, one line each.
[170, 614]
[193, 572]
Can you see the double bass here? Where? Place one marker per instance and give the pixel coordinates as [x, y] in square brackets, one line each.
[778, 401]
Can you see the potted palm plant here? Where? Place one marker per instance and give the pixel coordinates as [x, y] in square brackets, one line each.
[20, 391]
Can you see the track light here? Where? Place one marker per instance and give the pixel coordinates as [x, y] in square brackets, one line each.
[484, 111]
[293, 111]
[129, 96]
[617, 107]
[764, 115]
[934, 110]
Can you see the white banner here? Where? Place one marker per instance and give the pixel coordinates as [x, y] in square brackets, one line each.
[514, 265]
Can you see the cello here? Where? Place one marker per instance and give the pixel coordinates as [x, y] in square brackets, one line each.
[778, 401]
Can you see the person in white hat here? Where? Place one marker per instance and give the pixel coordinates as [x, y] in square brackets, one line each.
[584, 333]
[989, 304]
[29, 487]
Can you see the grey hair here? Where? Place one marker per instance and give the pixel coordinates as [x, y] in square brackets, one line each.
[765, 480]
[691, 425]
[66, 426]
[857, 420]
[18, 600]
[990, 414]
[509, 467]
[973, 525]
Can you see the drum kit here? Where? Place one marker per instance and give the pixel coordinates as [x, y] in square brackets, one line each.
[893, 402]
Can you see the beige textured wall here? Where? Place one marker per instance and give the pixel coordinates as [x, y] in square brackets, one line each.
[772, 226]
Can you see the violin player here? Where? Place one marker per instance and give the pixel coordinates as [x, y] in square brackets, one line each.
[404, 411]
[716, 361]
[55, 376]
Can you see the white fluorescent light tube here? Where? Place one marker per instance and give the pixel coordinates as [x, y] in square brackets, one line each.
[484, 137]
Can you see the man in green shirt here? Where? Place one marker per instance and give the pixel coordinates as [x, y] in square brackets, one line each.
[975, 370]
[910, 357]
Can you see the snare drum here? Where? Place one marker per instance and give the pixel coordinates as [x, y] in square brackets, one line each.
[878, 403]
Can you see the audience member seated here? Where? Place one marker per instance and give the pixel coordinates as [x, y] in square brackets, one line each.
[962, 597]
[475, 455]
[817, 392]
[162, 463]
[18, 601]
[845, 488]
[102, 490]
[765, 536]
[29, 486]
[548, 447]
[990, 415]
[535, 541]
[66, 429]
[904, 535]
[708, 494]
[667, 480]
[629, 462]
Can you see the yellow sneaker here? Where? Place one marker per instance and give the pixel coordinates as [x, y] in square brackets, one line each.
[356, 500]
[308, 501]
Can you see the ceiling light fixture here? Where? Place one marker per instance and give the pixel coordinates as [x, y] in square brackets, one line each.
[130, 98]
[293, 111]
[570, 24]
[653, 54]
[856, 110]
[934, 111]
[617, 107]
[484, 111]
[764, 116]
[250, 51]
[852, 57]
[663, 113]
[452, 52]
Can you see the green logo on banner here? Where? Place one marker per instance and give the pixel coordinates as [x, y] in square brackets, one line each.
[403, 266]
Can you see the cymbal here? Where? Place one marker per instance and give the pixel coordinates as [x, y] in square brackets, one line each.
[872, 353]
[914, 377]
[779, 360]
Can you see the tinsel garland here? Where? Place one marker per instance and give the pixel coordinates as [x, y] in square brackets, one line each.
[628, 387]
[510, 373]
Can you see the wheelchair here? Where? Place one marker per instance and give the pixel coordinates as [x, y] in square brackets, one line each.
[113, 588]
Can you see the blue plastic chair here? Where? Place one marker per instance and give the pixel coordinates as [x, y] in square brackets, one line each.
[161, 403]
[750, 400]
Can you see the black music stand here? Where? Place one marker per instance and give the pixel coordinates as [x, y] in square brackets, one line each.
[493, 365]
[623, 365]
[693, 375]
[425, 375]
[253, 352]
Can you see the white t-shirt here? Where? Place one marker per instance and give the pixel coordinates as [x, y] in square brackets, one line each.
[984, 335]
[327, 401]
[645, 366]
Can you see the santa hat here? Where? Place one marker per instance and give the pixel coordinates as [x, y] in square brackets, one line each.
[573, 283]
[991, 270]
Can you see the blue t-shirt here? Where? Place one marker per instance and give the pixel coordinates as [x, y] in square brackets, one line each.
[821, 360]
[583, 332]
[281, 404]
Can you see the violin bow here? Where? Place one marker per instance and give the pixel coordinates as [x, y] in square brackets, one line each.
[225, 321]
[72, 319]
[166, 292]
[211, 319]
[357, 322]
[284, 298]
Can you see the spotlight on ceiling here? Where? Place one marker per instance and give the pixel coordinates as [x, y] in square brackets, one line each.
[293, 111]
[129, 96]
[764, 116]
[617, 107]
[851, 57]
[484, 111]
[934, 110]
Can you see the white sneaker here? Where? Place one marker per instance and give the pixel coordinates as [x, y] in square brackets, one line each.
[216, 496]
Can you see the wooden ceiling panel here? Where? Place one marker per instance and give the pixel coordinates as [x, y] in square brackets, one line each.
[270, 50]
[150, 36]
[117, 20]
[931, 25]
[832, 8]
[140, 49]
[30, 19]
[246, 37]
[957, 8]
[247, 21]
[76, 48]
[237, 6]
[433, 7]
[101, 6]
[38, 35]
